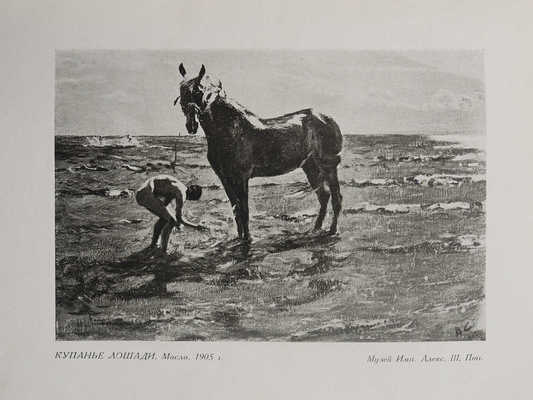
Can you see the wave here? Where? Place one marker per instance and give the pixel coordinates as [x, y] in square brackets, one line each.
[407, 208]
[158, 146]
[372, 182]
[387, 209]
[134, 168]
[296, 217]
[460, 141]
[122, 141]
[414, 158]
[455, 205]
[339, 326]
[85, 167]
[446, 243]
[118, 193]
[103, 192]
[131, 221]
[422, 180]
[97, 227]
[443, 180]
[150, 166]
[467, 157]
[453, 307]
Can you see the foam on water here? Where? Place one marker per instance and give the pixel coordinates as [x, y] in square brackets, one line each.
[421, 179]
[443, 180]
[122, 141]
[456, 205]
[414, 158]
[385, 209]
[409, 208]
[445, 244]
[461, 141]
[339, 326]
[467, 157]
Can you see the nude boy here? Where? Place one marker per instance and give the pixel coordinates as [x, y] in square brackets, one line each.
[156, 194]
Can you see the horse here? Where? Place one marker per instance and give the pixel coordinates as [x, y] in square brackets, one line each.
[241, 146]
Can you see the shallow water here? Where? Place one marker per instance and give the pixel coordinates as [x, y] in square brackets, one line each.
[408, 265]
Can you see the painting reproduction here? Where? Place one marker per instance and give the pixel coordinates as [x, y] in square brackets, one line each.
[270, 195]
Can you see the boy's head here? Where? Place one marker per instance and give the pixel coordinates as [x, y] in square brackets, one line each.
[194, 192]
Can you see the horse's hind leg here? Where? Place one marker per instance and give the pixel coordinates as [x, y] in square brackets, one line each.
[336, 197]
[316, 179]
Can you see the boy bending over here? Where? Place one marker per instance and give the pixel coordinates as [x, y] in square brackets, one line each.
[156, 194]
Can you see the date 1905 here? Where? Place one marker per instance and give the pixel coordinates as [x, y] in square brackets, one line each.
[207, 357]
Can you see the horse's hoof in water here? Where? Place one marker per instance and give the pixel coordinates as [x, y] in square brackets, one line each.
[147, 250]
[235, 243]
[247, 239]
[317, 231]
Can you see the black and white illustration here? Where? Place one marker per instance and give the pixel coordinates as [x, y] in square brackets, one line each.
[270, 195]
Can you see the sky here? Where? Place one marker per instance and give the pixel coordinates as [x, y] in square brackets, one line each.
[118, 92]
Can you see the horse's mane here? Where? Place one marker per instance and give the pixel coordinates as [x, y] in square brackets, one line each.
[214, 87]
[245, 113]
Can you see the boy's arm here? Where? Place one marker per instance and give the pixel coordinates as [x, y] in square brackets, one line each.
[180, 218]
[188, 223]
[179, 205]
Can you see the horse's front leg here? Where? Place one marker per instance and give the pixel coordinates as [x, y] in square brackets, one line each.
[240, 188]
[230, 192]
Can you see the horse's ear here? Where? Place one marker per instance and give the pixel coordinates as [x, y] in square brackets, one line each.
[182, 70]
[219, 84]
[202, 73]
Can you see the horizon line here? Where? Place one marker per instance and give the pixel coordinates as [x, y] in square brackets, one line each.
[395, 132]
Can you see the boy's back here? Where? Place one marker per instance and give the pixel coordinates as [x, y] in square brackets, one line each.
[164, 186]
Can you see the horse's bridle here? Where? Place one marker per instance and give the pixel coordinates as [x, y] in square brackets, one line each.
[185, 108]
[198, 109]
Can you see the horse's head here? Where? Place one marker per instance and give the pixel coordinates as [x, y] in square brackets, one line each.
[196, 94]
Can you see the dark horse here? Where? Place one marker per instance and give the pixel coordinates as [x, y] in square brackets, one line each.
[243, 146]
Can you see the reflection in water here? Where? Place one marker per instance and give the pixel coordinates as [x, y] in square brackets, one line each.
[321, 261]
[228, 318]
[240, 260]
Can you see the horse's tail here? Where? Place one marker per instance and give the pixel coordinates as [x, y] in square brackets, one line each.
[330, 140]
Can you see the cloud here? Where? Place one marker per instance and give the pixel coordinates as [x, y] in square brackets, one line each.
[86, 79]
[441, 100]
[121, 96]
[388, 98]
[446, 100]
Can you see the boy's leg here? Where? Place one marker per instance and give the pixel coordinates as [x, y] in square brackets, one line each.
[146, 199]
[167, 228]
[166, 235]
[157, 207]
